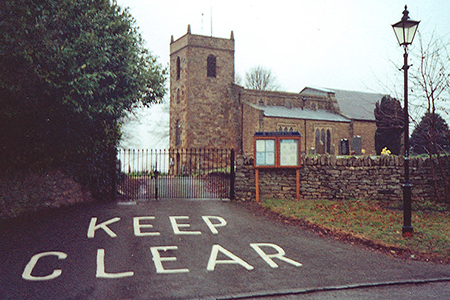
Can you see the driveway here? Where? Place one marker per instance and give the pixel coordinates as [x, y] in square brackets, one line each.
[180, 249]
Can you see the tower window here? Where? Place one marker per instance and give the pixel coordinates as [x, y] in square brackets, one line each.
[211, 66]
[178, 68]
[178, 133]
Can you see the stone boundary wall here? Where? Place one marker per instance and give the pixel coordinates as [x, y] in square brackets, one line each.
[32, 192]
[334, 177]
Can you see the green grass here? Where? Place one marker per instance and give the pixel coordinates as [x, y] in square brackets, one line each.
[372, 221]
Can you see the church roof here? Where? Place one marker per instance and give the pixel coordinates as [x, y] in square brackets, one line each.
[298, 113]
[357, 105]
[352, 104]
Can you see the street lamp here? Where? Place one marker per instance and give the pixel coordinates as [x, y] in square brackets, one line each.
[405, 30]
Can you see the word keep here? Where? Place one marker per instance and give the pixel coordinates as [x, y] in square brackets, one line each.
[139, 224]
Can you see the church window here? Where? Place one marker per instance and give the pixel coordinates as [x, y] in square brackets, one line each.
[261, 102]
[288, 105]
[323, 140]
[286, 127]
[178, 133]
[328, 141]
[178, 68]
[178, 96]
[211, 66]
[317, 139]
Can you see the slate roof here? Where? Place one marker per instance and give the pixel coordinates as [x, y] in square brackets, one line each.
[298, 113]
[357, 105]
[352, 104]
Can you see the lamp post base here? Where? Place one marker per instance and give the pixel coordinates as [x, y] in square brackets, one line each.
[407, 231]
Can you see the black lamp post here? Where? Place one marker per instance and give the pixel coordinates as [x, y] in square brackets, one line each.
[405, 30]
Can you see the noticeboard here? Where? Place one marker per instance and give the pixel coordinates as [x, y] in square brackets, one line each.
[277, 149]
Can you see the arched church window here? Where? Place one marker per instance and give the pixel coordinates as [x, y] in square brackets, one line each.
[178, 133]
[317, 139]
[328, 141]
[211, 66]
[178, 96]
[178, 68]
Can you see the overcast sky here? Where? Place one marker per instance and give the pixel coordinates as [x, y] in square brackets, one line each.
[339, 44]
[342, 44]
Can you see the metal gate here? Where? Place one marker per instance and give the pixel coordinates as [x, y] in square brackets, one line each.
[175, 173]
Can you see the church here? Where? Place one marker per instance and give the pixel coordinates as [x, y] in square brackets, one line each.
[208, 110]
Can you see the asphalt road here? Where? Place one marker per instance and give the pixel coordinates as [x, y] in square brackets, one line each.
[179, 249]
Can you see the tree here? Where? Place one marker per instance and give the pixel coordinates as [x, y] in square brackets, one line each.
[389, 119]
[261, 78]
[431, 135]
[70, 69]
[432, 79]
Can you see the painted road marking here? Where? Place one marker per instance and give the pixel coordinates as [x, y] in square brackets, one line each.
[157, 260]
[33, 261]
[141, 227]
[175, 221]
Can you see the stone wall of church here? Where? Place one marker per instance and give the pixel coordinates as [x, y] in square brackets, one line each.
[331, 177]
[204, 107]
[252, 122]
[365, 129]
[255, 121]
[287, 99]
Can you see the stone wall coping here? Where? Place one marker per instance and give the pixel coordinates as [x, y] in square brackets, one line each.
[355, 161]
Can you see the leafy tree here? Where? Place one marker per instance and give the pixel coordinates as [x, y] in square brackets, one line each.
[389, 120]
[69, 70]
[261, 78]
[431, 135]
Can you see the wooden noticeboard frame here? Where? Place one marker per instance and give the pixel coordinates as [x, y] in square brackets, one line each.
[277, 150]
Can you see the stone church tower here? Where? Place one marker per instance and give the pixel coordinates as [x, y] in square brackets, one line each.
[201, 80]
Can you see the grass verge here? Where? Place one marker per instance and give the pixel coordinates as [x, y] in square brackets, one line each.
[372, 223]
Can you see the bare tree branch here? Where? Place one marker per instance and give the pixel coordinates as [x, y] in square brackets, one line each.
[261, 78]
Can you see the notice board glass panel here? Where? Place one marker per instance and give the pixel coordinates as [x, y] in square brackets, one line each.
[265, 152]
[288, 152]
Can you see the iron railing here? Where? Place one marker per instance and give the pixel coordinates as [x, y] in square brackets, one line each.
[175, 173]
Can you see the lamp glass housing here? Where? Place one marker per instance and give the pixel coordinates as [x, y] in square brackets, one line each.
[405, 31]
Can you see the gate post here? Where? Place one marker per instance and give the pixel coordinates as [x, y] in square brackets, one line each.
[156, 173]
[232, 175]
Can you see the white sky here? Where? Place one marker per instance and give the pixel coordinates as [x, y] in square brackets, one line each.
[342, 44]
